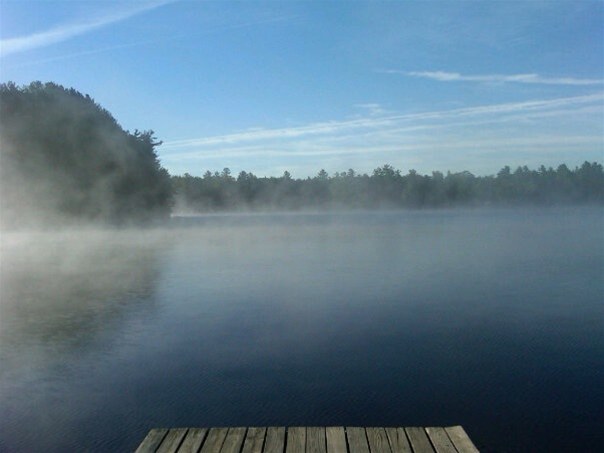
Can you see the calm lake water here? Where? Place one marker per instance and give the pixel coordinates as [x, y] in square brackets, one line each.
[492, 319]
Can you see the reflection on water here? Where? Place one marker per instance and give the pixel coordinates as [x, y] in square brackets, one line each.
[489, 319]
[64, 296]
[63, 288]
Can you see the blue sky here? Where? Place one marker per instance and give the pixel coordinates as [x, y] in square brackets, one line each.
[300, 85]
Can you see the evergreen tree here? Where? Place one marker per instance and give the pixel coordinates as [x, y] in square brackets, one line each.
[64, 158]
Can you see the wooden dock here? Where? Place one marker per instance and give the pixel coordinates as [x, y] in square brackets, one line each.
[308, 439]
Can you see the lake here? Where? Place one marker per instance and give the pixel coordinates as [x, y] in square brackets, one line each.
[488, 318]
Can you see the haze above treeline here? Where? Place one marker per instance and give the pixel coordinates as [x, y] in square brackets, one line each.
[65, 159]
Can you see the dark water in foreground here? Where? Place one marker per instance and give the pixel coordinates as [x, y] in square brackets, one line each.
[489, 319]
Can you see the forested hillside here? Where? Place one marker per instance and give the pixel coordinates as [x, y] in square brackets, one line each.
[64, 158]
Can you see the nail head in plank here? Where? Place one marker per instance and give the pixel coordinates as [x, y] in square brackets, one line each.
[357, 440]
[419, 440]
[254, 440]
[233, 441]
[336, 439]
[296, 439]
[315, 440]
[193, 440]
[214, 441]
[378, 440]
[460, 439]
[398, 440]
[152, 440]
[172, 440]
[440, 440]
[275, 440]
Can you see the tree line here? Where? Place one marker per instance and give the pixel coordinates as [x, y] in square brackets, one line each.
[387, 187]
[64, 158]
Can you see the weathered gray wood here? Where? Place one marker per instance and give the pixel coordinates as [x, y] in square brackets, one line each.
[440, 440]
[336, 439]
[460, 439]
[275, 440]
[357, 440]
[172, 440]
[378, 440]
[214, 440]
[233, 441]
[315, 440]
[296, 439]
[193, 440]
[152, 440]
[419, 440]
[452, 439]
[254, 440]
[398, 440]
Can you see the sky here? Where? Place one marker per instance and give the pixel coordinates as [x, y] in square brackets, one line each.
[308, 85]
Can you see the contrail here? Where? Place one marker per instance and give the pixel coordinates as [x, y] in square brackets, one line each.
[64, 32]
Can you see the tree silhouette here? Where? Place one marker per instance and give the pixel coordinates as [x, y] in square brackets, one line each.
[388, 188]
[65, 158]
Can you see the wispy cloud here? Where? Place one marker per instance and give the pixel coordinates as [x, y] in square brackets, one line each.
[386, 122]
[373, 109]
[540, 142]
[64, 32]
[443, 76]
[456, 138]
[208, 31]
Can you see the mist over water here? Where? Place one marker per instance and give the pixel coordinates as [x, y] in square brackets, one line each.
[492, 319]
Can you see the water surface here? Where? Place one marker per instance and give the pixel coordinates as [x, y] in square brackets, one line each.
[492, 319]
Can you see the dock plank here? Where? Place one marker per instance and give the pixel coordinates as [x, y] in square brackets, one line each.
[233, 441]
[418, 438]
[357, 440]
[440, 440]
[336, 439]
[398, 440]
[378, 440]
[296, 439]
[152, 440]
[308, 439]
[460, 439]
[275, 440]
[172, 440]
[315, 440]
[214, 440]
[193, 440]
[254, 440]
